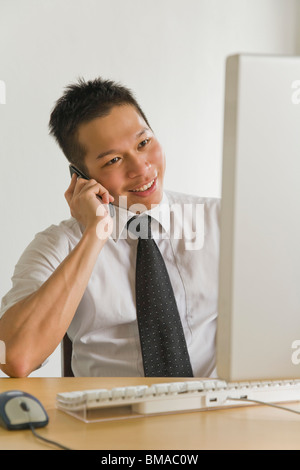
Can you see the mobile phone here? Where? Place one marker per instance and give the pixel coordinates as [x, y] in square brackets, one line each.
[80, 174]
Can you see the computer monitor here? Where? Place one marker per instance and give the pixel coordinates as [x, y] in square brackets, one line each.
[258, 330]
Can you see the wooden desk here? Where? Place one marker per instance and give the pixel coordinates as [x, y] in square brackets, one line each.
[253, 427]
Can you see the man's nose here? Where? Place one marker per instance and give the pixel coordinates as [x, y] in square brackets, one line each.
[138, 166]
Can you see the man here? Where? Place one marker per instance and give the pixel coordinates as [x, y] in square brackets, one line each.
[80, 277]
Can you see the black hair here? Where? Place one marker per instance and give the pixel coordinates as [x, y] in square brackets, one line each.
[81, 103]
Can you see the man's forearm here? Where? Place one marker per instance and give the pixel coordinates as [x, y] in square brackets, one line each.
[33, 328]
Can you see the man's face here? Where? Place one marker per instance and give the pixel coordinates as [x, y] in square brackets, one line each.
[124, 156]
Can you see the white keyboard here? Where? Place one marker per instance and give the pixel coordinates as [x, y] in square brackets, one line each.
[175, 397]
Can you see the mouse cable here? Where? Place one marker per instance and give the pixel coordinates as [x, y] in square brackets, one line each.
[259, 402]
[26, 408]
[57, 444]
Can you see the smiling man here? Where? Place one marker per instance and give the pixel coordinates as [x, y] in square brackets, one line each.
[73, 279]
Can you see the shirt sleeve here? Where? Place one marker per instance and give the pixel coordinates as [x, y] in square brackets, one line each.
[39, 260]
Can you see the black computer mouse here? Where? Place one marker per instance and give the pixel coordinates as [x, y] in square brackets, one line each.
[20, 410]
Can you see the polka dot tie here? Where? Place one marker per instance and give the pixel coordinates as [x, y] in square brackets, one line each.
[162, 339]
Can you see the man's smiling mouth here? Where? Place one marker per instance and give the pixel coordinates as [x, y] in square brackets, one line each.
[144, 187]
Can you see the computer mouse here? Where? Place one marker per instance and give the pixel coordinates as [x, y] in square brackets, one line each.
[20, 410]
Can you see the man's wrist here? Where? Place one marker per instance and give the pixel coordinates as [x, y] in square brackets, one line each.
[91, 235]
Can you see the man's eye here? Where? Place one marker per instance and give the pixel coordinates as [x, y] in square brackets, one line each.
[143, 143]
[113, 160]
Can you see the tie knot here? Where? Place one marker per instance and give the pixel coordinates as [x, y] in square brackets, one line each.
[140, 226]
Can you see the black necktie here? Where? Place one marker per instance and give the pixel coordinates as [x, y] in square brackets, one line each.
[162, 339]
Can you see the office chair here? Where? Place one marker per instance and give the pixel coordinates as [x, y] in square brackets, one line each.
[66, 356]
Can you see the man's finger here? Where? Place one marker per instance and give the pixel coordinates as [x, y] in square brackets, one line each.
[69, 192]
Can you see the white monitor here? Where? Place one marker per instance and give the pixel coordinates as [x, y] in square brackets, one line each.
[258, 333]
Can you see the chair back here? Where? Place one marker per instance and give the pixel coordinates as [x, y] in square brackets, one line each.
[66, 356]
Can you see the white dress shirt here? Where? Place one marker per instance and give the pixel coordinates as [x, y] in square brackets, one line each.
[104, 329]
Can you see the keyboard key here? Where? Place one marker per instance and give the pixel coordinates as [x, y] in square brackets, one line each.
[130, 392]
[161, 389]
[117, 393]
[220, 384]
[141, 391]
[104, 395]
[177, 387]
[94, 395]
[209, 385]
[195, 385]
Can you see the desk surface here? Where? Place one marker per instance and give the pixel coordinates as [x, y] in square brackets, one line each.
[251, 427]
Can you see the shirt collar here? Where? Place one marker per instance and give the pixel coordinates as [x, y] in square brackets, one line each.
[160, 213]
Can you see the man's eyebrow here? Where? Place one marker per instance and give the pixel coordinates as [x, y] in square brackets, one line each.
[141, 132]
[108, 152]
[112, 151]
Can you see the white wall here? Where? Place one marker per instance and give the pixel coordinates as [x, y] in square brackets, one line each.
[170, 52]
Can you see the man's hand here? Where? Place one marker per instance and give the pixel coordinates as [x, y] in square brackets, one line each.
[86, 208]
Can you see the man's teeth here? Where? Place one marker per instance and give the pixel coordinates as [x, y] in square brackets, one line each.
[143, 188]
